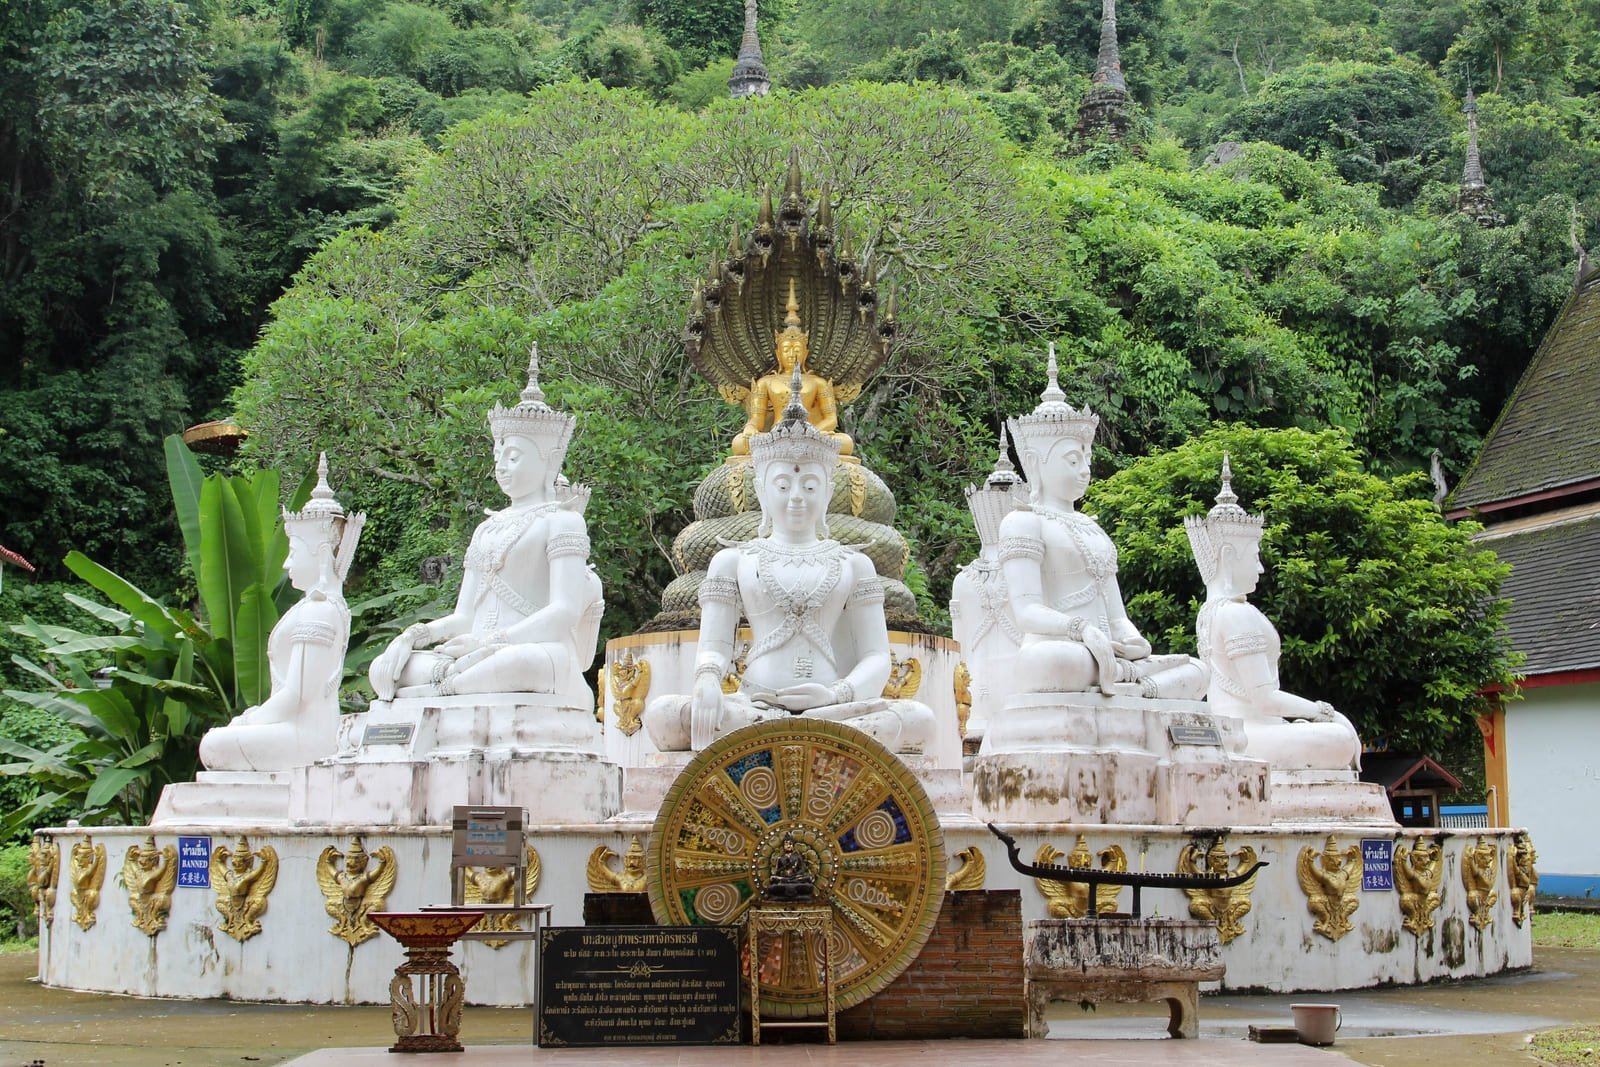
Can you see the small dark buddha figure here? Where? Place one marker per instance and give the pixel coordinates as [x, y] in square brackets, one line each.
[791, 878]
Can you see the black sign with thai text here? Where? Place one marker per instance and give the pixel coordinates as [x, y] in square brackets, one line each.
[638, 985]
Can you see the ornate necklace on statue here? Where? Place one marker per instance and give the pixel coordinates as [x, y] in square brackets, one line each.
[1099, 554]
[797, 603]
[499, 532]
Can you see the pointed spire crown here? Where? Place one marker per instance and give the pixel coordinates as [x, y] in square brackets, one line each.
[534, 419]
[1108, 64]
[997, 497]
[1225, 524]
[749, 76]
[1052, 422]
[1472, 171]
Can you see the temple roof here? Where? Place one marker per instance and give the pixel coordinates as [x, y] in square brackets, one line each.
[1547, 439]
[1554, 589]
[1409, 773]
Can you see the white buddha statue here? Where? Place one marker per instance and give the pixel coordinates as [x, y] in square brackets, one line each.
[1060, 570]
[298, 723]
[980, 606]
[820, 646]
[1241, 647]
[529, 609]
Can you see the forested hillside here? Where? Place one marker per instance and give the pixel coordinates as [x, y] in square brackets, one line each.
[345, 221]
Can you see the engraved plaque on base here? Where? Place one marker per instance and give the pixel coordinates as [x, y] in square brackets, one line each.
[638, 985]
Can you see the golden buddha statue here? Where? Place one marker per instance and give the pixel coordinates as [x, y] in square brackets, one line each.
[769, 394]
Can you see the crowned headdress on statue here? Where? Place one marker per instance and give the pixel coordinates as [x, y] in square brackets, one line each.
[793, 441]
[1052, 422]
[1226, 524]
[998, 496]
[531, 418]
[323, 521]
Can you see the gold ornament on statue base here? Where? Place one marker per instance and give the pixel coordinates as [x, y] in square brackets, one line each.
[242, 879]
[44, 868]
[88, 875]
[1524, 878]
[603, 878]
[1480, 867]
[1418, 872]
[969, 876]
[1070, 900]
[1331, 881]
[963, 693]
[630, 687]
[905, 678]
[150, 874]
[1225, 907]
[353, 886]
[860, 822]
[497, 885]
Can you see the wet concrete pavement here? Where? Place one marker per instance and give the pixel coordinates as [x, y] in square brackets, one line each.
[1459, 1024]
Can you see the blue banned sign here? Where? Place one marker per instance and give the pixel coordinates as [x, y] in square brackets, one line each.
[194, 862]
[1377, 863]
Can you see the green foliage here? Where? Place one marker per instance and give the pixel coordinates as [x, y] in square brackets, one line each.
[1374, 123]
[1384, 609]
[141, 696]
[16, 903]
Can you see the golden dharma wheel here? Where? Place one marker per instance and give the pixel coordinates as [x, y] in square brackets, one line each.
[856, 814]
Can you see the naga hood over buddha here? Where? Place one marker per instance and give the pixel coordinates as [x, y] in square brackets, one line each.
[790, 295]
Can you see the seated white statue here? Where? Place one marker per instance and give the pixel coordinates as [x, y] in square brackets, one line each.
[299, 722]
[528, 611]
[980, 607]
[1241, 647]
[1061, 572]
[820, 646]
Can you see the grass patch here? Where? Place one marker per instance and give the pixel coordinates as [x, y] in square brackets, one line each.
[25, 944]
[1566, 929]
[1570, 1046]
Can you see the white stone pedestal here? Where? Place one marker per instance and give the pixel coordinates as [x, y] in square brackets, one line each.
[409, 762]
[1085, 757]
[226, 798]
[555, 788]
[1334, 797]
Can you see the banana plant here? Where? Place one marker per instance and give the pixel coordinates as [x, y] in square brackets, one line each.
[143, 694]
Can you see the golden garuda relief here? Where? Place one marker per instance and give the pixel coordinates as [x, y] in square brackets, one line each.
[1070, 900]
[1418, 872]
[603, 878]
[44, 867]
[497, 885]
[88, 875]
[150, 874]
[905, 678]
[630, 687]
[798, 262]
[242, 879]
[1524, 878]
[963, 688]
[1331, 881]
[735, 676]
[1480, 867]
[969, 876]
[1225, 907]
[353, 887]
